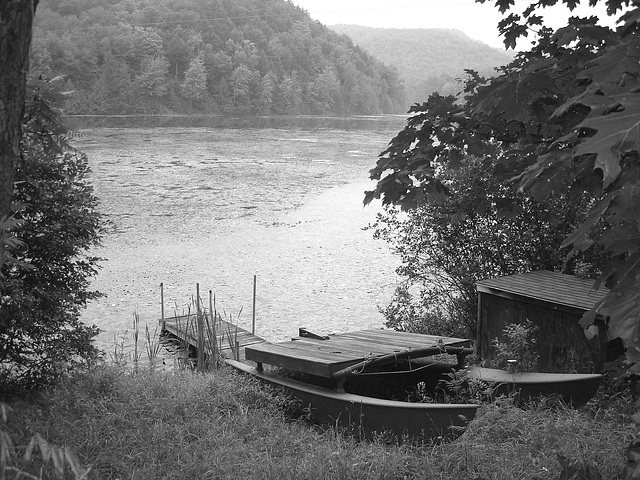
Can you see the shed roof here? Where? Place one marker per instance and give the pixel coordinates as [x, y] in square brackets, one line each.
[551, 287]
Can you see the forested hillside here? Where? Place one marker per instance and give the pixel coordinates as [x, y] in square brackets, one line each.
[428, 60]
[216, 57]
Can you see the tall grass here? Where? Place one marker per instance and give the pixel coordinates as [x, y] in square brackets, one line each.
[209, 334]
[139, 351]
[119, 420]
[190, 425]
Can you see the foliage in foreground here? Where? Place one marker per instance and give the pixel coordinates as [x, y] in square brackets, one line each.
[45, 280]
[562, 118]
[445, 253]
[188, 425]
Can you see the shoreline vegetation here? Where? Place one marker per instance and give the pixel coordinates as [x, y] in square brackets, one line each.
[128, 418]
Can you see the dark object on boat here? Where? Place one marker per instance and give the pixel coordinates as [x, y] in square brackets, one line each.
[574, 389]
[306, 333]
[367, 417]
[615, 350]
[354, 380]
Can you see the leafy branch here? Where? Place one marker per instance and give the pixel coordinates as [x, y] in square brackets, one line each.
[561, 119]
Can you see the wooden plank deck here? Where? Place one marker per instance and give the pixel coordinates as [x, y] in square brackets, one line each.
[185, 328]
[326, 357]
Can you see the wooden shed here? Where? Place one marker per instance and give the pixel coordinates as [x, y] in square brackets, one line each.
[554, 302]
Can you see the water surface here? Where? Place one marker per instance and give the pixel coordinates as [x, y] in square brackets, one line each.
[222, 201]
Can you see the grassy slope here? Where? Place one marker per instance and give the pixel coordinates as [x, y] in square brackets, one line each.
[194, 426]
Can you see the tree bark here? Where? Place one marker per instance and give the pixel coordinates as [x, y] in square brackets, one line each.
[16, 24]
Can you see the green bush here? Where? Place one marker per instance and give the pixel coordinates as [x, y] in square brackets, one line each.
[45, 280]
[518, 352]
[445, 248]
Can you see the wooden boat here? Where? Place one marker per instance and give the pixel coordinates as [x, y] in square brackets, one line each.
[573, 388]
[351, 373]
[368, 416]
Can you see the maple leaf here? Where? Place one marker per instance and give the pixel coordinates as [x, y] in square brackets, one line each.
[590, 97]
[547, 174]
[504, 5]
[534, 20]
[623, 59]
[511, 30]
[509, 98]
[369, 195]
[630, 20]
[614, 5]
[622, 304]
[623, 239]
[580, 236]
[616, 134]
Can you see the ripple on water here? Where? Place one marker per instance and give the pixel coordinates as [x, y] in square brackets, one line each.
[293, 218]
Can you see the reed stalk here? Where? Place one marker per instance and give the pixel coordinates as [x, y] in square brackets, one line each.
[202, 328]
[118, 357]
[153, 346]
[136, 335]
[212, 332]
[200, 313]
[232, 336]
[183, 344]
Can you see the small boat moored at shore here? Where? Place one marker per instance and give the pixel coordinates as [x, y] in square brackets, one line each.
[352, 381]
[574, 389]
[366, 416]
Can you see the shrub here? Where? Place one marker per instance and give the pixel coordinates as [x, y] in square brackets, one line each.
[45, 280]
[518, 351]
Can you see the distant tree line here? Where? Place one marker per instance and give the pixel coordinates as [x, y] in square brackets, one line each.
[429, 60]
[260, 57]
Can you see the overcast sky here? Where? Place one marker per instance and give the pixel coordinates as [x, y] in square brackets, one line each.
[478, 21]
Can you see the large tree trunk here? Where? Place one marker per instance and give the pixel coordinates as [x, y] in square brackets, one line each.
[16, 23]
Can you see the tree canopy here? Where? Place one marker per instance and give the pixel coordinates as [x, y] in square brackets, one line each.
[46, 274]
[15, 39]
[562, 118]
[444, 254]
[216, 57]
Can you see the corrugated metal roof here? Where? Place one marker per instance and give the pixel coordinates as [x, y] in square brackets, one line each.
[552, 287]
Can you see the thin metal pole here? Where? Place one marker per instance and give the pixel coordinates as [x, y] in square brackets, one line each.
[253, 323]
[214, 331]
[198, 299]
[162, 304]
[199, 319]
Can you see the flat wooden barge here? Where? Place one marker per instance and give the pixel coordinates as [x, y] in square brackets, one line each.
[328, 356]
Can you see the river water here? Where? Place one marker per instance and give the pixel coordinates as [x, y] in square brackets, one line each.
[216, 201]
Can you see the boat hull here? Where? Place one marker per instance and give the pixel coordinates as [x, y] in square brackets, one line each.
[399, 380]
[368, 417]
[574, 389]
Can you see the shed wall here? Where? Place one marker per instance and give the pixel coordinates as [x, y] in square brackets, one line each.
[561, 343]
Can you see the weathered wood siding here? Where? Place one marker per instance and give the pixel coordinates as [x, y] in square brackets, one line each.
[561, 343]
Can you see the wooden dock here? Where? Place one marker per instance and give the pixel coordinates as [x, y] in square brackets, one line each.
[230, 340]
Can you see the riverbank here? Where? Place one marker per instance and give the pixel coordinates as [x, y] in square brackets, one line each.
[178, 424]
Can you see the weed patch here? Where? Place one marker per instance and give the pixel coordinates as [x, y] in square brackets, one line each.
[189, 425]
